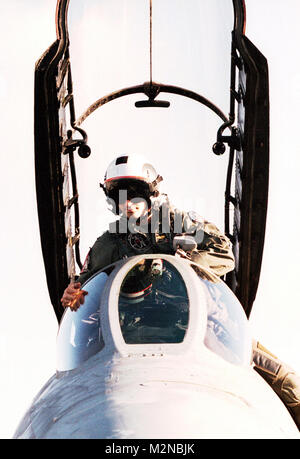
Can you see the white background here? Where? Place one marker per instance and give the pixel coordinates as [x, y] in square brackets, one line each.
[28, 325]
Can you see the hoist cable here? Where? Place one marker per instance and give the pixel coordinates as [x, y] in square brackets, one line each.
[150, 50]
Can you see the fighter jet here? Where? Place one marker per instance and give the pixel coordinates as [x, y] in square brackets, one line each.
[162, 347]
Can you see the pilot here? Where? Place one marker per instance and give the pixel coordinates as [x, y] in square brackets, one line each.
[147, 223]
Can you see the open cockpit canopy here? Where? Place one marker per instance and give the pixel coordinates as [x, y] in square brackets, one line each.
[97, 40]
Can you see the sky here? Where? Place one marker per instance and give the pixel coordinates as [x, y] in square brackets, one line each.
[178, 141]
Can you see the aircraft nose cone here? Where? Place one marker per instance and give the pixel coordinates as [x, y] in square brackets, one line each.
[175, 410]
[136, 398]
[162, 410]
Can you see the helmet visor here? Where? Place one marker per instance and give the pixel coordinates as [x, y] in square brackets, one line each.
[124, 189]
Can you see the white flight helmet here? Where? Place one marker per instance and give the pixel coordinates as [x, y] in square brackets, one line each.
[131, 169]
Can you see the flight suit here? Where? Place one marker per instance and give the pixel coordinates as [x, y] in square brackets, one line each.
[213, 248]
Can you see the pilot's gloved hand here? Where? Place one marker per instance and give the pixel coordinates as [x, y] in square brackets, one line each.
[184, 244]
[73, 296]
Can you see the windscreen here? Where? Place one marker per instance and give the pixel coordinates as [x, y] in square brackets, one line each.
[153, 304]
[227, 333]
[154, 307]
[80, 333]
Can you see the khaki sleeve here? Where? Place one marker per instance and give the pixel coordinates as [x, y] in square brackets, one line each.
[214, 251]
[281, 377]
